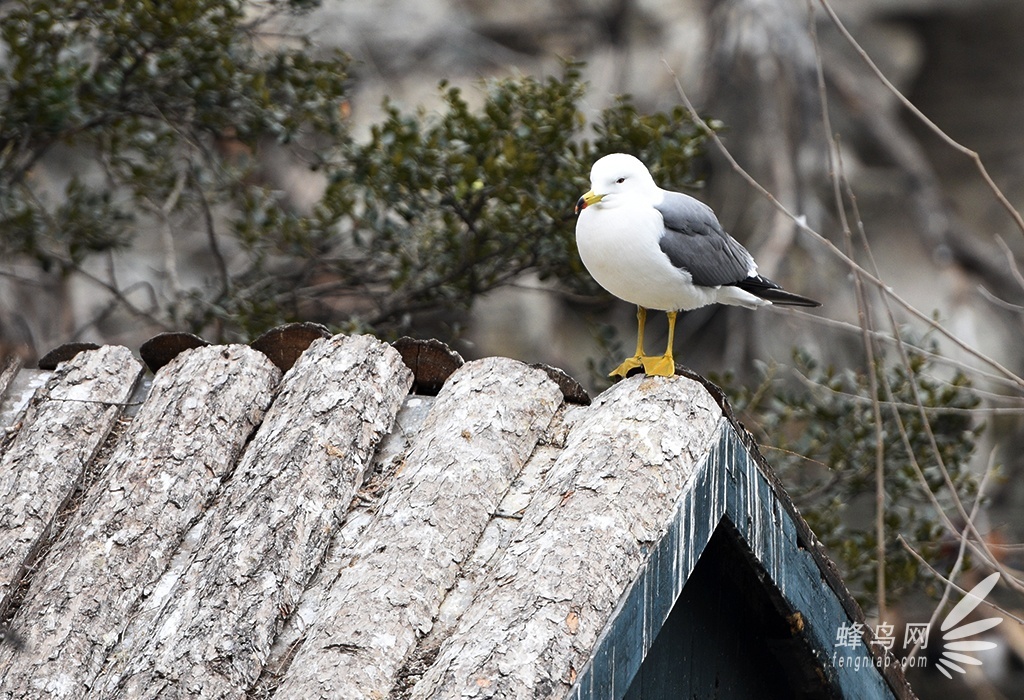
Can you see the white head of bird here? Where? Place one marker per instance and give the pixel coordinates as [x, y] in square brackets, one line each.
[616, 178]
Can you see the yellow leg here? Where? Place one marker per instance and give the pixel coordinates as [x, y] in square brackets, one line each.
[638, 359]
[664, 366]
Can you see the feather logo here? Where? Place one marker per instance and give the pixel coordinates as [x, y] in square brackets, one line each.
[953, 635]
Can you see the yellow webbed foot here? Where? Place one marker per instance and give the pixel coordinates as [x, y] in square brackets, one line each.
[628, 365]
[661, 366]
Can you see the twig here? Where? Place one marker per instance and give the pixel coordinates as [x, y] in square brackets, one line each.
[932, 126]
[958, 564]
[835, 163]
[121, 295]
[1001, 303]
[20, 279]
[167, 236]
[802, 224]
[981, 548]
[939, 410]
[882, 336]
[888, 293]
[211, 236]
[914, 553]
[117, 299]
[1011, 261]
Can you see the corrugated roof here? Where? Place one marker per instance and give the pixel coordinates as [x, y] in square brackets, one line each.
[327, 534]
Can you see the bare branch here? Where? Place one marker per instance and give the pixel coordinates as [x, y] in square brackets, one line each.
[918, 114]
[958, 564]
[950, 583]
[937, 410]
[861, 274]
[211, 237]
[167, 238]
[887, 338]
[1011, 261]
[835, 161]
[801, 222]
[1001, 303]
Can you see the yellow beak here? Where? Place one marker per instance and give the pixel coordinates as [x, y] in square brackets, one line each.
[586, 200]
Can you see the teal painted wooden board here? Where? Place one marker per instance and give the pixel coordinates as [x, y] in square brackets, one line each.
[728, 492]
[724, 639]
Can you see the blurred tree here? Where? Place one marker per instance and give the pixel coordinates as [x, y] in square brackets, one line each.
[169, 104]
[160, 103]
[822, 440]
[434, 210]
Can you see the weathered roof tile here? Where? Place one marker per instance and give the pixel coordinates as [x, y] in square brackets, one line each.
[494, 541]
[485, 423]
[577, 549]
[58, 436]
[159, 479]
[268, 531]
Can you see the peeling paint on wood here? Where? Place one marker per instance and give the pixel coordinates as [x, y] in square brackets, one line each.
[728, 486]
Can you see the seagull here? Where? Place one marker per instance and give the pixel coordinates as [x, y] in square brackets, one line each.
[663, 250]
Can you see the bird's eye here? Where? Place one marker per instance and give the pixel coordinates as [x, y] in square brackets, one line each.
[620, 181]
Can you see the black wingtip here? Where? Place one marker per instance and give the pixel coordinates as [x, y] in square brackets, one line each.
[769, 291]
[784, 298]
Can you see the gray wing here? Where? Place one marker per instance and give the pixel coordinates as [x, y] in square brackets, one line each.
[695, 241]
